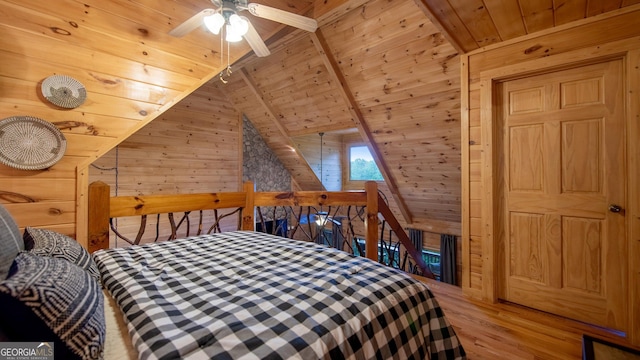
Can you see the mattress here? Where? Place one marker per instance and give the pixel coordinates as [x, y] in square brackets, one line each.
[251, 295]
[117, 345]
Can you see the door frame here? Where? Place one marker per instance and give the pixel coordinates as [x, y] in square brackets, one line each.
[629, 52]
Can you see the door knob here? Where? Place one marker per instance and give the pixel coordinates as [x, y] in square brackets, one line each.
[615, 208]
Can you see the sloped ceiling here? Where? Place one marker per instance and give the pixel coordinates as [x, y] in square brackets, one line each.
[383, 68]
[471, 24]
[388, 68]
[391, 69]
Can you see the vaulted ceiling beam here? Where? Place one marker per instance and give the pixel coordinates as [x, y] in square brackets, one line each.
[336, 74]
[326, 12]
[278, 125]
[444, 17]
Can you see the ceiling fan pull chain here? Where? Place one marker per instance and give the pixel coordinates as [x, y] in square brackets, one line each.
[228, 59]
[222, 57]
[228, 71]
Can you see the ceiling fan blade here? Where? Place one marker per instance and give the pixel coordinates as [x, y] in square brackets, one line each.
[192, 23]
[255, 41]
[285, 17]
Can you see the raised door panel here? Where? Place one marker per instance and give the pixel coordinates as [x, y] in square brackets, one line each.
[561, 140]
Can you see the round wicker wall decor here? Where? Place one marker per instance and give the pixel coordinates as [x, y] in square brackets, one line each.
[30, 143]
[64, 91]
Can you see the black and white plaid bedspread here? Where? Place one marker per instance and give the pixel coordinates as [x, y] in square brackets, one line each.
[246, 295]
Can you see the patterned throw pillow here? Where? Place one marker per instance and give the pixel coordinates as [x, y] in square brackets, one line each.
[50, 243]
[10, 242]
[47, 299]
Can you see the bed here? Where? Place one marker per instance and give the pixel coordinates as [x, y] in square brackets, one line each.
[249, 295]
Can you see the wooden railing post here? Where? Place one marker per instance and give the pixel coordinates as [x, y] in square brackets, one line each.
[248, 222]
[404, 238]
[371, 221]
[99, 214]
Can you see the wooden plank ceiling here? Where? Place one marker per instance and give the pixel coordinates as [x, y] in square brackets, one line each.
[388, 68]
[383, 68]
[471, 24]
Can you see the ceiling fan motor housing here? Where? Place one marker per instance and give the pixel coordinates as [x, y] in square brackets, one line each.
[228, 8]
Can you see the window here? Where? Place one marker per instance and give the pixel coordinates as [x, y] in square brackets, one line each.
[361, 164]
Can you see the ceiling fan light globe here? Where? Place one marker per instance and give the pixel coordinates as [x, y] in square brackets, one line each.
[240, 24]
[214, 22]
[232, 35]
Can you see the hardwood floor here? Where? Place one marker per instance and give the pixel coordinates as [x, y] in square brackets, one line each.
[509, 331]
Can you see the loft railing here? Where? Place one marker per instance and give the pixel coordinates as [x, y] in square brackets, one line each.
[349, 213]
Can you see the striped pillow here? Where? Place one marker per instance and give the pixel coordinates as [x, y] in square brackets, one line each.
[47, 299]
[10, 242]
[45, 242]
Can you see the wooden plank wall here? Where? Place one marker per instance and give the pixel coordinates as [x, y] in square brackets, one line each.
[616, 32]
[309, 146]
[132, 71]
[245, 96]
[384, 68]
[192, 148]
[431, 236]
[405, 82]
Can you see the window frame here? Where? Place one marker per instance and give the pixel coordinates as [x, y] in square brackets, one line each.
[346, 177]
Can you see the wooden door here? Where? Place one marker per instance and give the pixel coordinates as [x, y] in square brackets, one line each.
[562, 219]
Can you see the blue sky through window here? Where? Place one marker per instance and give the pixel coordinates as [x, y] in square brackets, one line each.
[360, 152]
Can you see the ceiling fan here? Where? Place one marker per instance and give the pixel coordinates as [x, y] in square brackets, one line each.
[236, 27]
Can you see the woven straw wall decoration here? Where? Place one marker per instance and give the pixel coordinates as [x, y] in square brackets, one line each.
[64, 91]
[30, 143]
